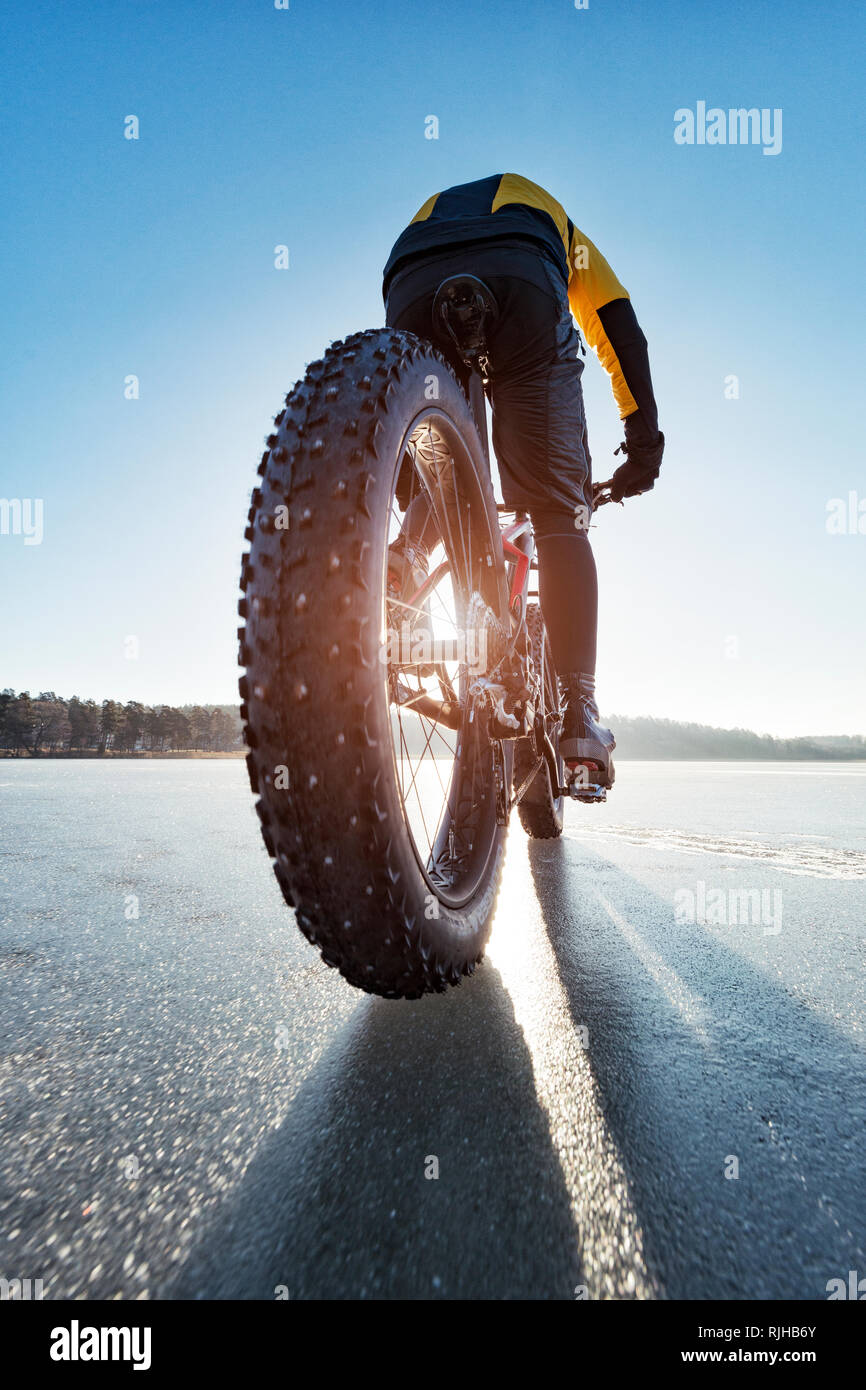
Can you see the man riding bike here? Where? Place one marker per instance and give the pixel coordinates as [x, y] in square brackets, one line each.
[542, 270]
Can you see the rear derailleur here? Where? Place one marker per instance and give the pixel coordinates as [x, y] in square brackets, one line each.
[507, 702]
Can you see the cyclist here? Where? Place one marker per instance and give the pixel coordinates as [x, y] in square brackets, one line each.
[542, 270]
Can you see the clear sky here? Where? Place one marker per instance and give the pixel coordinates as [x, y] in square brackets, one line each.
[724, 599]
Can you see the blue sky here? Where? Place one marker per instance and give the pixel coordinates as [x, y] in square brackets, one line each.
[724, 599]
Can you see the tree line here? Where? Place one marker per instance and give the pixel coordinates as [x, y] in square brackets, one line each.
[49, 725]
[647, 738]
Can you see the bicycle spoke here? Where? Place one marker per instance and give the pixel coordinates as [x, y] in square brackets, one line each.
[445, 786]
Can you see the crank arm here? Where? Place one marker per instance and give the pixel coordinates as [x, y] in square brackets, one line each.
[546, 752]
[524, 785]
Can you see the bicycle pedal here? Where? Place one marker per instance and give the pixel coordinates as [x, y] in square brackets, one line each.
[579, 785]
[586, 791]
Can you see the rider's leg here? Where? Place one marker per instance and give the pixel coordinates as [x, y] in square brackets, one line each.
[409, 565]
[541, 446]
[419, 523]
[568, 589]
[540, 443]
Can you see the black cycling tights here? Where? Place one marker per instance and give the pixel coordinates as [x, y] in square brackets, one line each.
[568, 590]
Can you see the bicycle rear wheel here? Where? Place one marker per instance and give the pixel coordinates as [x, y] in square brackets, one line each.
[541, 811]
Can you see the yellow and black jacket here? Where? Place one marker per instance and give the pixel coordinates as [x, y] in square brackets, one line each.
[507, 205]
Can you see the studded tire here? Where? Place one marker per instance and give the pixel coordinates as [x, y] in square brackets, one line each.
[315, 704]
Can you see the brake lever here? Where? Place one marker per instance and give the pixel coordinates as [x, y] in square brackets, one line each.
[600, 497]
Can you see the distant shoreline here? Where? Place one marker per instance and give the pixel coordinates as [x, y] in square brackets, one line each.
[92, 755]
[240, 753]
[51, 726]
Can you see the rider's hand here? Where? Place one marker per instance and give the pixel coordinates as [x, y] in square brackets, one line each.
[640, 470]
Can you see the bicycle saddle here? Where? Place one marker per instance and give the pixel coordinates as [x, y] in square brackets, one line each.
[466, 308]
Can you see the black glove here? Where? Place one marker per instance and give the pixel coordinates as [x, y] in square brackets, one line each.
[640, 469]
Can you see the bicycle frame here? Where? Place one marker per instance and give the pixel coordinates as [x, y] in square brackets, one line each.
[523, 559]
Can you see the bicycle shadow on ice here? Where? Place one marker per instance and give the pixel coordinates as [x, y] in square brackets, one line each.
[342, 1201]
[700, 1057]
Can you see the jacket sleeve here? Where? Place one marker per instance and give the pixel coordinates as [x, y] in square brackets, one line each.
[607, 320]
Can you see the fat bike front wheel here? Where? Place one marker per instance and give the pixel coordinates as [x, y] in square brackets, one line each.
[380, 793]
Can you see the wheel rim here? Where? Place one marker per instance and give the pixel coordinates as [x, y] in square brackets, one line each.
[445, 775]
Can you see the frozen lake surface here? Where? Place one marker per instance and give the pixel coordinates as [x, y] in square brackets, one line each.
[194, 1105]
